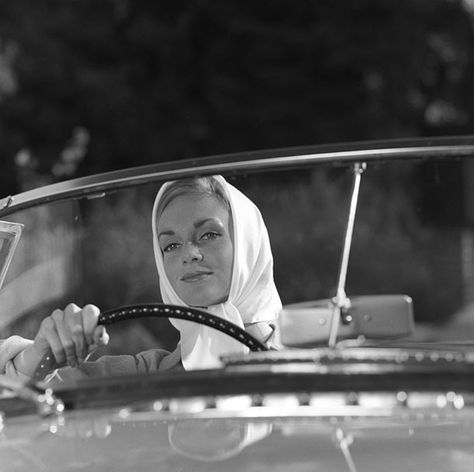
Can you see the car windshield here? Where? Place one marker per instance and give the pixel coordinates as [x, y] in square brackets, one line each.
[411, 236]
[412, 239]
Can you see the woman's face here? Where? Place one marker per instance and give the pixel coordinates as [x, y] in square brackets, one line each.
[195, 237]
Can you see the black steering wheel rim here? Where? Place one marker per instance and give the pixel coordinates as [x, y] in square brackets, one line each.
[161, 310]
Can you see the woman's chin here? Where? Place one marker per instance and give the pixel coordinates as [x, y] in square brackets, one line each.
[204, 302]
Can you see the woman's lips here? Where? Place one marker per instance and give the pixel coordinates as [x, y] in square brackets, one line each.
[195, 276]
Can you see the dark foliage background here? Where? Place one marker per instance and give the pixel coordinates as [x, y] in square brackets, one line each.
[151, 81]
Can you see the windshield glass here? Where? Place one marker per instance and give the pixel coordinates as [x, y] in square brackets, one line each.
[412, 236]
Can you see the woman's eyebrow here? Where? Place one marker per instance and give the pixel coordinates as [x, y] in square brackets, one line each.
[166, 233]
[200, 223]
[196, 224]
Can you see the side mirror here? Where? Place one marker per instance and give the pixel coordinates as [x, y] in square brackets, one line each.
[9, 236]
[373, 316]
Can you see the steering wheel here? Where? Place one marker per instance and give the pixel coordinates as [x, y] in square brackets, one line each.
[160, 310]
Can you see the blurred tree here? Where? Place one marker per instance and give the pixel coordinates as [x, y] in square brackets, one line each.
[151, 81]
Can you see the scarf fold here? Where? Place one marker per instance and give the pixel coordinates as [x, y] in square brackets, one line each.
[253, 296]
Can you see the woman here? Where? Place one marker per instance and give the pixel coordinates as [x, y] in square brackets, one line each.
[212, 251]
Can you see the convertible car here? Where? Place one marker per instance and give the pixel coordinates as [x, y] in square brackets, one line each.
[373, 247]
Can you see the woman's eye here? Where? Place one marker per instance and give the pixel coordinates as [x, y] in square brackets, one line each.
[171, 247]
[210, 235]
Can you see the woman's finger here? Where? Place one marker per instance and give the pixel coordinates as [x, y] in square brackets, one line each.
[74, 322]
[60, 319]
[90, 318]
[79, 341]
[48, 334]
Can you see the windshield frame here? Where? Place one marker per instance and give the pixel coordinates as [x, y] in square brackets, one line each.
[274, 159]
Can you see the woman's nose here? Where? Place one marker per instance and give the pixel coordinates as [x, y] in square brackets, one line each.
[191, 253]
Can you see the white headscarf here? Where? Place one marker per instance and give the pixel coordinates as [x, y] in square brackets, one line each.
[253, 296]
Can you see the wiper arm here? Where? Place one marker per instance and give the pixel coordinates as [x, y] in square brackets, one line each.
[341, 301]
[45, 401]
[345, 441]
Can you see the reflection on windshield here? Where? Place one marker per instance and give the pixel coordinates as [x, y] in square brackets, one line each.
[142, 442]
[214, 439]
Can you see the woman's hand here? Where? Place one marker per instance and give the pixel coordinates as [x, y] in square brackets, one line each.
[70, 334]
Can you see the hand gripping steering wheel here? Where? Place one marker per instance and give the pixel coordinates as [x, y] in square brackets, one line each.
[159, 310]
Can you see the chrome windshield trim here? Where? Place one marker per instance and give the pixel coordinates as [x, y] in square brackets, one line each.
[95, 185]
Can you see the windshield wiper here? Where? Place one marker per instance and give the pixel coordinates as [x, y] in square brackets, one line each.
[341, 301]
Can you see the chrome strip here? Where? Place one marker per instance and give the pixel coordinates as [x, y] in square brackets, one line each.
[249, 162]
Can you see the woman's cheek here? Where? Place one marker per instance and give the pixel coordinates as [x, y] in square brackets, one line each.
[170, 266]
